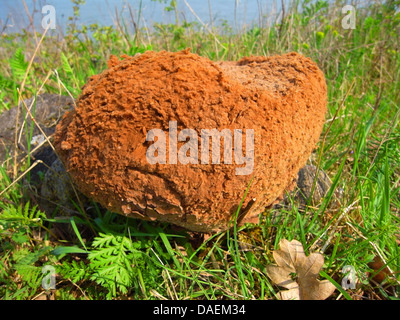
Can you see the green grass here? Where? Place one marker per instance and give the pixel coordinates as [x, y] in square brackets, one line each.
[108, 256]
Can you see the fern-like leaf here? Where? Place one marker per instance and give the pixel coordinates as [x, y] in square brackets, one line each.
[31, 275]
[24, 214]
[75, 271]
[111, 261]
[18, 65]
[65, 64]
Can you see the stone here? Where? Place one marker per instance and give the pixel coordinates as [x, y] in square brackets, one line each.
[57, 192]
[47, 111]
[52, 188]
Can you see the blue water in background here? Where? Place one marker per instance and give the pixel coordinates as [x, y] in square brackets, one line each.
[236, 13]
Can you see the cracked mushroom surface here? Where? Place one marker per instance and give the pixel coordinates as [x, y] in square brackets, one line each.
[103, 142]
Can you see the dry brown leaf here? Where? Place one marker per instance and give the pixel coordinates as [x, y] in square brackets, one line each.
[290, 259]
[380, 271]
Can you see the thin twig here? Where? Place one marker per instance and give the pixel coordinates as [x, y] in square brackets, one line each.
[30, 107]
[203, 24]
[30, 21]
[37, 124]
[21, 89]
[344, 213]
[61, 84]
[169, 277]
[21, 176]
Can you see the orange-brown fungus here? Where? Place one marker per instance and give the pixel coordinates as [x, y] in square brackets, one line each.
[103, 142]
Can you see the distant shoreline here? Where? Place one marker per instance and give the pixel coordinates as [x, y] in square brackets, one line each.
[145, 13]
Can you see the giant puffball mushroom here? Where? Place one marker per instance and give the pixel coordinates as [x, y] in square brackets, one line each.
[144, 138]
